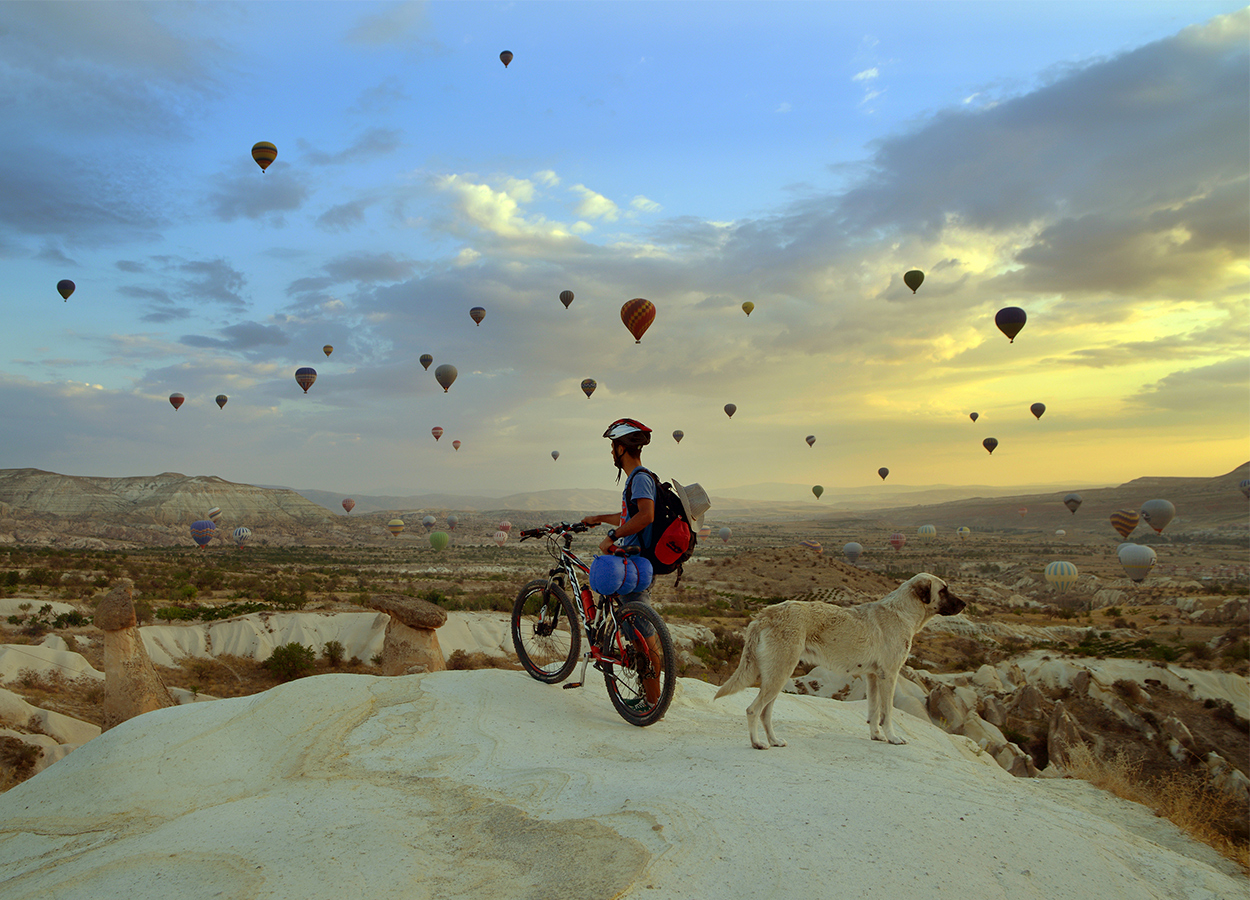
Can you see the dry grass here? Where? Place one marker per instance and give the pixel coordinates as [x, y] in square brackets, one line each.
[1200, 810]
[479, 660]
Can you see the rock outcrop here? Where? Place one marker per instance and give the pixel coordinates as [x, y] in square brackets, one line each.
[131, 685]
[411, 644]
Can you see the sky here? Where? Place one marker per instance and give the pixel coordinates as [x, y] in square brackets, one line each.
[1087, 162]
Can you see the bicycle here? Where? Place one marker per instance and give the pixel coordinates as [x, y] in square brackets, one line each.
[547, 630]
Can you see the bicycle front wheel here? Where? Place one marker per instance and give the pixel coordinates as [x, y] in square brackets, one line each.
[641, 685]
[545, 631]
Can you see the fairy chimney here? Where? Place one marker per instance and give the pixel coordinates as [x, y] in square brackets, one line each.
[131, 685]
[410, 645]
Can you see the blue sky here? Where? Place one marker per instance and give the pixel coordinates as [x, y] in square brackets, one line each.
[1085, 161]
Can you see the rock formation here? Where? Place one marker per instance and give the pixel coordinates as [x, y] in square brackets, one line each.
[131, 685]
[411, 645]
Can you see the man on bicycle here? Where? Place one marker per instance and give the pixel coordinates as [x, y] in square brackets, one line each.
[628, 437]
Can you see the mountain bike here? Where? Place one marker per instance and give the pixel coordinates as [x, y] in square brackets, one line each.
[548, 629]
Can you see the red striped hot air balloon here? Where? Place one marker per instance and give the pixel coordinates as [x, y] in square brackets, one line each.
[264, 153]
[305, 376]
[638, 314]
[176, 400]
[349, 504]
[897, 540]
[437, 431]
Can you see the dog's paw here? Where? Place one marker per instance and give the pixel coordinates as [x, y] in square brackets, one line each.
[895, 739]
[777, 742]
[759, 745]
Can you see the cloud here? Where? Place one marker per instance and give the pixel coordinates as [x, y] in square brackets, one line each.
[642, 204]
[374, 142]
[243, 336]
[186, 285]
[403, 24]
[866, 75]
[53, 254]
[594, 205]
[783, 108]
[1219, 387]
[478, 208]
[344, 215]
[244, 195]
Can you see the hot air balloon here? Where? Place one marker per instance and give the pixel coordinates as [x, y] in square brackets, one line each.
[811, 440]
[913, 279]
[455, 445]
[501, 537]
[588, 386]
[445, 375]
[202, 531]
[65, 287]
[437, 431]
[566, 297]
[989, 444]
[1023, 511]
[305, 376]
[425, 361]
[1157, 514]
[452, 522]
[1137, 560]
[927, 532]
[1062, 575]
[1124, 521]
[505, 58]
[1245, 487]
[555, 454]
[349, 504]
[1072, 502]
[725, 534]
[964, 532]
[1010, 319]
[1037, 409]
[327, 349]
[439, 540]
[852, 551]
[883, 471]
[730, 409]
[264, 153]
[817, 490]
[974, 416]
[748, 307]
[678, 435]
[505, 526]
[705, 531]
[221, 401]
[427, 522]
[897, 540]
[215, 513]
[813, 545]
[241, 534]
[477, 314]
[176, 400]
[395, 526]
[638, 314]
[1060, 533]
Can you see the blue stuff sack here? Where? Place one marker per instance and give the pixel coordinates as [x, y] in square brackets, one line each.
[646, 574]
[607, 573]
[630, 583]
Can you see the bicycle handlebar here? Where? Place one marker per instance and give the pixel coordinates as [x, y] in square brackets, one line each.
[558, 527]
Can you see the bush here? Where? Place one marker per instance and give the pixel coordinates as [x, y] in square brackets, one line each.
[291, 660]
[333, 652]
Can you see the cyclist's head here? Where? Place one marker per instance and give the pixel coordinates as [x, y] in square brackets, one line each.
[627, 435]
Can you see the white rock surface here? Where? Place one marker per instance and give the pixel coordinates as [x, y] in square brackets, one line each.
[486, 784]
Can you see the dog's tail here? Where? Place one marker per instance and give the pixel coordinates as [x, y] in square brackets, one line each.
[748, 671]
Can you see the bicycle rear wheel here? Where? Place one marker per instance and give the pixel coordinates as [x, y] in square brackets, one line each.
[648, 666]
[545, 631]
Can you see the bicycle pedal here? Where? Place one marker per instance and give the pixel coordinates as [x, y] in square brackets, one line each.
[575, 684]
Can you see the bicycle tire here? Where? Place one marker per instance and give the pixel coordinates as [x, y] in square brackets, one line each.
[546, 633]
[624, 682]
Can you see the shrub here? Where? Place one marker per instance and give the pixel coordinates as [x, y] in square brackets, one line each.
[291, 661]
[333, 652]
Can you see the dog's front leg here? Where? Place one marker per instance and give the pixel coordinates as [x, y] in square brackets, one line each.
[885, 697]
[874, 706]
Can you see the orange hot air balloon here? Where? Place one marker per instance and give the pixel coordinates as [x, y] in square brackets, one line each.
[264, 153]
[437, 431]
[349, 504]
[638, 314]
[505, 58]
[176, 400]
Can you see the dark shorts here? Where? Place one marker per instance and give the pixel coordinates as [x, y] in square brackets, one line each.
[645, 628]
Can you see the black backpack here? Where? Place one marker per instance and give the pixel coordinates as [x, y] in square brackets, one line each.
[672, 538]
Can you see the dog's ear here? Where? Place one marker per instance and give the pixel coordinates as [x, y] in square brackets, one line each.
[923, 589]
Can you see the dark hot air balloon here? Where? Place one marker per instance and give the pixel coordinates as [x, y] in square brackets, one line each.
[1072, 502]
[638, 314]
[264, 153]
[990, 444]
[305, 376]
[65, 287]
[477, 314]
[883, 471]
[817, 490]
[811, 440]
[678, 435]
[176, 400]
[588, 386]
[555, 454]
[1010, 319]
[730, 409]
[913, 279]
[425, 361]
[566, 297]
[445, 375]
[221, 401]
[349, 504]
[1037, 409]
[505, 58]
[974, 416]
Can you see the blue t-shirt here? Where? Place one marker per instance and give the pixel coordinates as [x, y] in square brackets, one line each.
[639, 485]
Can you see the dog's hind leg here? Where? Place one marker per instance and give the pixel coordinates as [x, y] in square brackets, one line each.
[773, 676]
[885, 700]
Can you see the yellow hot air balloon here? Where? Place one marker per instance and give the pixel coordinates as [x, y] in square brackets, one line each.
[264, 153]
[327, 349]
[748, 307]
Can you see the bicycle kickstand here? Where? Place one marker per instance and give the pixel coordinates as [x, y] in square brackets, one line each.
[581, 678]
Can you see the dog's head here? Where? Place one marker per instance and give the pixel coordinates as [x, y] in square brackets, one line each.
[933, 593]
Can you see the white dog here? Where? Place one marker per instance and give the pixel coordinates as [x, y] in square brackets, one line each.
[873, 639]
